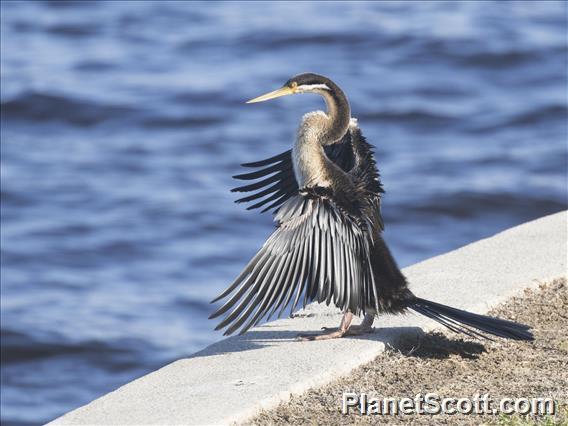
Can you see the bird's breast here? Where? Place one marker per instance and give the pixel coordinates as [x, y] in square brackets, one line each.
[311, 165]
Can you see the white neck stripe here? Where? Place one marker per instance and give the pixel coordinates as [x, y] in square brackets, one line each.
[308, 87]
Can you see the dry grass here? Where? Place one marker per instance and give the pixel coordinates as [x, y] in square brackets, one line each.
[454, 367]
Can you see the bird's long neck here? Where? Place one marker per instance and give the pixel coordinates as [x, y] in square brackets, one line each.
[311, 165]
[339, 115]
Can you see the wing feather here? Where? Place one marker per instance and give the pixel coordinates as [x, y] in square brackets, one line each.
[278, 177]
[278, 167]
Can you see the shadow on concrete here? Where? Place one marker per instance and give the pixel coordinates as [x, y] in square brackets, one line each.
[257, 339]
[435, 345]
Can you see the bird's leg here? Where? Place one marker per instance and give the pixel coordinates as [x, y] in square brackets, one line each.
[366, 326]
[345, 328]
[336, 333]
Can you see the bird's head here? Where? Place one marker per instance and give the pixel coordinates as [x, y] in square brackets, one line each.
[301, 83]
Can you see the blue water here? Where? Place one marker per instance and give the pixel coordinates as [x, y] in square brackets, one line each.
[122, 124]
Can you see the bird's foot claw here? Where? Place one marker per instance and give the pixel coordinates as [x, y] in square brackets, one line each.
[358, 330]
[336, 333]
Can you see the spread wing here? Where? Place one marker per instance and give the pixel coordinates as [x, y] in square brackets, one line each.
[365, 171]
[317, 252]
[276, 182]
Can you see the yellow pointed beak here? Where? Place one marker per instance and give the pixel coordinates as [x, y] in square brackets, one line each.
[283, 91]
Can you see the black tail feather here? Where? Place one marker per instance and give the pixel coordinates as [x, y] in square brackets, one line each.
[473, 325]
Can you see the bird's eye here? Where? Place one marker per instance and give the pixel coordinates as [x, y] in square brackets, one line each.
[293, 85]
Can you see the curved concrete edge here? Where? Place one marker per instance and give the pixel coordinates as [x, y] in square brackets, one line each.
[234, 379]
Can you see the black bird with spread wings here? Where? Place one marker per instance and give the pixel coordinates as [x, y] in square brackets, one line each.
[327, 246]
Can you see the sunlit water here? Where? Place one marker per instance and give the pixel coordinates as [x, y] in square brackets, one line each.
[122, 124]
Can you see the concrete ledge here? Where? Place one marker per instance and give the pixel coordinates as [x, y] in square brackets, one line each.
[236, 377]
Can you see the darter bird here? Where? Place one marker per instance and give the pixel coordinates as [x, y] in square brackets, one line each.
[327, 245]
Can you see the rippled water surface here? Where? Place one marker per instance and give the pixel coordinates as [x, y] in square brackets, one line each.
[122, 124]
